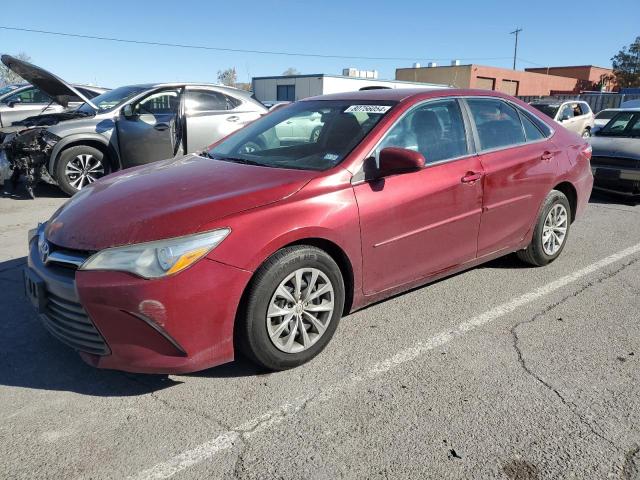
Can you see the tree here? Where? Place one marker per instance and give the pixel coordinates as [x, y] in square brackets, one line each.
[228, 77]
[626, 65]
[7, 77]
[290, 72]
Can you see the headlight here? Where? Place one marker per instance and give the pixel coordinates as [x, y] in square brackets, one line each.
[157, 259]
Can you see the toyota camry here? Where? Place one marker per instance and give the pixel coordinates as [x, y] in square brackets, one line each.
[261, 243]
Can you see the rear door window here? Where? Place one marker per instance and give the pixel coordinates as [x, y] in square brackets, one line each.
[530, 130]
[209, 100]
[497, 123]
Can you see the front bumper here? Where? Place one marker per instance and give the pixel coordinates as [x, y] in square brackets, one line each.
[177, 324]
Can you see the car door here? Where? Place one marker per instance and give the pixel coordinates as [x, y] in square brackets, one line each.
[26, 103]
[519, 165]
[417, 224]
[147, 128]
[212, 115]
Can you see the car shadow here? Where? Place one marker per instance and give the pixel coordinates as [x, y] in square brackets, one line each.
[31, 358]
[605, 198]
[43, 189]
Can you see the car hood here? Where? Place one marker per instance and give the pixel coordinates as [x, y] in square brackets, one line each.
[55, 87]
[615, 147]
[167, 199]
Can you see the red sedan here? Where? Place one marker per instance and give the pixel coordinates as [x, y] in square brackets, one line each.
[263, 242]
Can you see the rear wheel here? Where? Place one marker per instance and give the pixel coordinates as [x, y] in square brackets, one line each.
[292, 309]
[80, 166]
[550, 232]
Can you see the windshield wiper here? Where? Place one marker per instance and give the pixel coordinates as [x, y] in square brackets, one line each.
[244, 161]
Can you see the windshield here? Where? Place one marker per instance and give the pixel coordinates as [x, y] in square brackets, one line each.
[606, 114]
[111, 99]
[624, 124]
[309, 135]
[549, 110]
[7, 89]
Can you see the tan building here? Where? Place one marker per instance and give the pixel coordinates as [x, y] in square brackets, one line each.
[513, 82]
[589, 77]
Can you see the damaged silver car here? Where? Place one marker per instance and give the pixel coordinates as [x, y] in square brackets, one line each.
[122, 128]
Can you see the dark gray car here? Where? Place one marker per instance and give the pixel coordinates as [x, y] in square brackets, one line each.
[616, 154]
[130, 126]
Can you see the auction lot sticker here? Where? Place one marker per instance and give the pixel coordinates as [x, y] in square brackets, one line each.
[368, 109]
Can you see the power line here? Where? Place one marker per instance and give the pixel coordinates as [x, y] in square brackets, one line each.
[234, 50]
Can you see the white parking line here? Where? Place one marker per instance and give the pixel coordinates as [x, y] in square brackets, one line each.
[257, 425]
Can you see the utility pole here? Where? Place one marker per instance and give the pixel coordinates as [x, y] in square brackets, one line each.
[515, 50]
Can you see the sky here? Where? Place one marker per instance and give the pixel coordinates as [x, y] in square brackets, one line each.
[560, 32]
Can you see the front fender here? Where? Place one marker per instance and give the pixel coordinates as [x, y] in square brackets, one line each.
[80, 138]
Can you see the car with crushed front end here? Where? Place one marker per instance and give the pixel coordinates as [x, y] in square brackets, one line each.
[616, 154]
[186, 263]
[125, 127]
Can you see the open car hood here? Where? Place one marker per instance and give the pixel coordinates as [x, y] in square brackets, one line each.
[59, 90]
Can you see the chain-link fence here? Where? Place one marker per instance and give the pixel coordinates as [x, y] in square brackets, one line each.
[597, 101]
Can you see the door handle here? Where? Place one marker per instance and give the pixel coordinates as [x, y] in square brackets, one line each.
[547, 156]
[471, 178]
[233, 118]
[161, 126]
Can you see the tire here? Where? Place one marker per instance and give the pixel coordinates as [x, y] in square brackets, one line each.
[258, 319]
[90, 163]
[539, 251]
[315, 135]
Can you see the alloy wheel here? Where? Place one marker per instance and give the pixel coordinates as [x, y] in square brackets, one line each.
[300, 310]
[554, 230]
[83, 170]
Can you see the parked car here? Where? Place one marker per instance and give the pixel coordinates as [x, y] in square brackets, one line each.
[39, 96]
[8, 88]
[573, 115]
[616, 154]
[126, 127]
[185, 263]
[603, 117]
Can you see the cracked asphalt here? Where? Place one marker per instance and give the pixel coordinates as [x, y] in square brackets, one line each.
[497, 372]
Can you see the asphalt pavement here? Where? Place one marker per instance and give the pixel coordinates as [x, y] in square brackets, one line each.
[503, 371]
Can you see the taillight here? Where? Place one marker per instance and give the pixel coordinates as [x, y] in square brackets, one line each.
[587, 151]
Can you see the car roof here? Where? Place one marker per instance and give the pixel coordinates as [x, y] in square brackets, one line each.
[401, 94]
[149, 86]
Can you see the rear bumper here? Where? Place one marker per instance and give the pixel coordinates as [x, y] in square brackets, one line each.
[624, 181]
[178, 324]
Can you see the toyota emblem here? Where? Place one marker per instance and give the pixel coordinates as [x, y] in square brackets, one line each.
[43, 248]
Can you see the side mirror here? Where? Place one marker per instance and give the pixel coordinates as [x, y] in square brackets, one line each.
[127, 111]
[12, 103]
[393, 161]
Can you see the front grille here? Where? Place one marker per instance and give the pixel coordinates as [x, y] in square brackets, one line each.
[69, 323]
[66, 258]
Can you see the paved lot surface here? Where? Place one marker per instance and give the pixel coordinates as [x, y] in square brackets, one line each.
[499, 372]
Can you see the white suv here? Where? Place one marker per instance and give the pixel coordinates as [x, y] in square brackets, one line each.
[573, 115]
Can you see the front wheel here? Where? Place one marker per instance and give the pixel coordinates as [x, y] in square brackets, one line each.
[550, 232]
[292, 309]
[80, 166]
